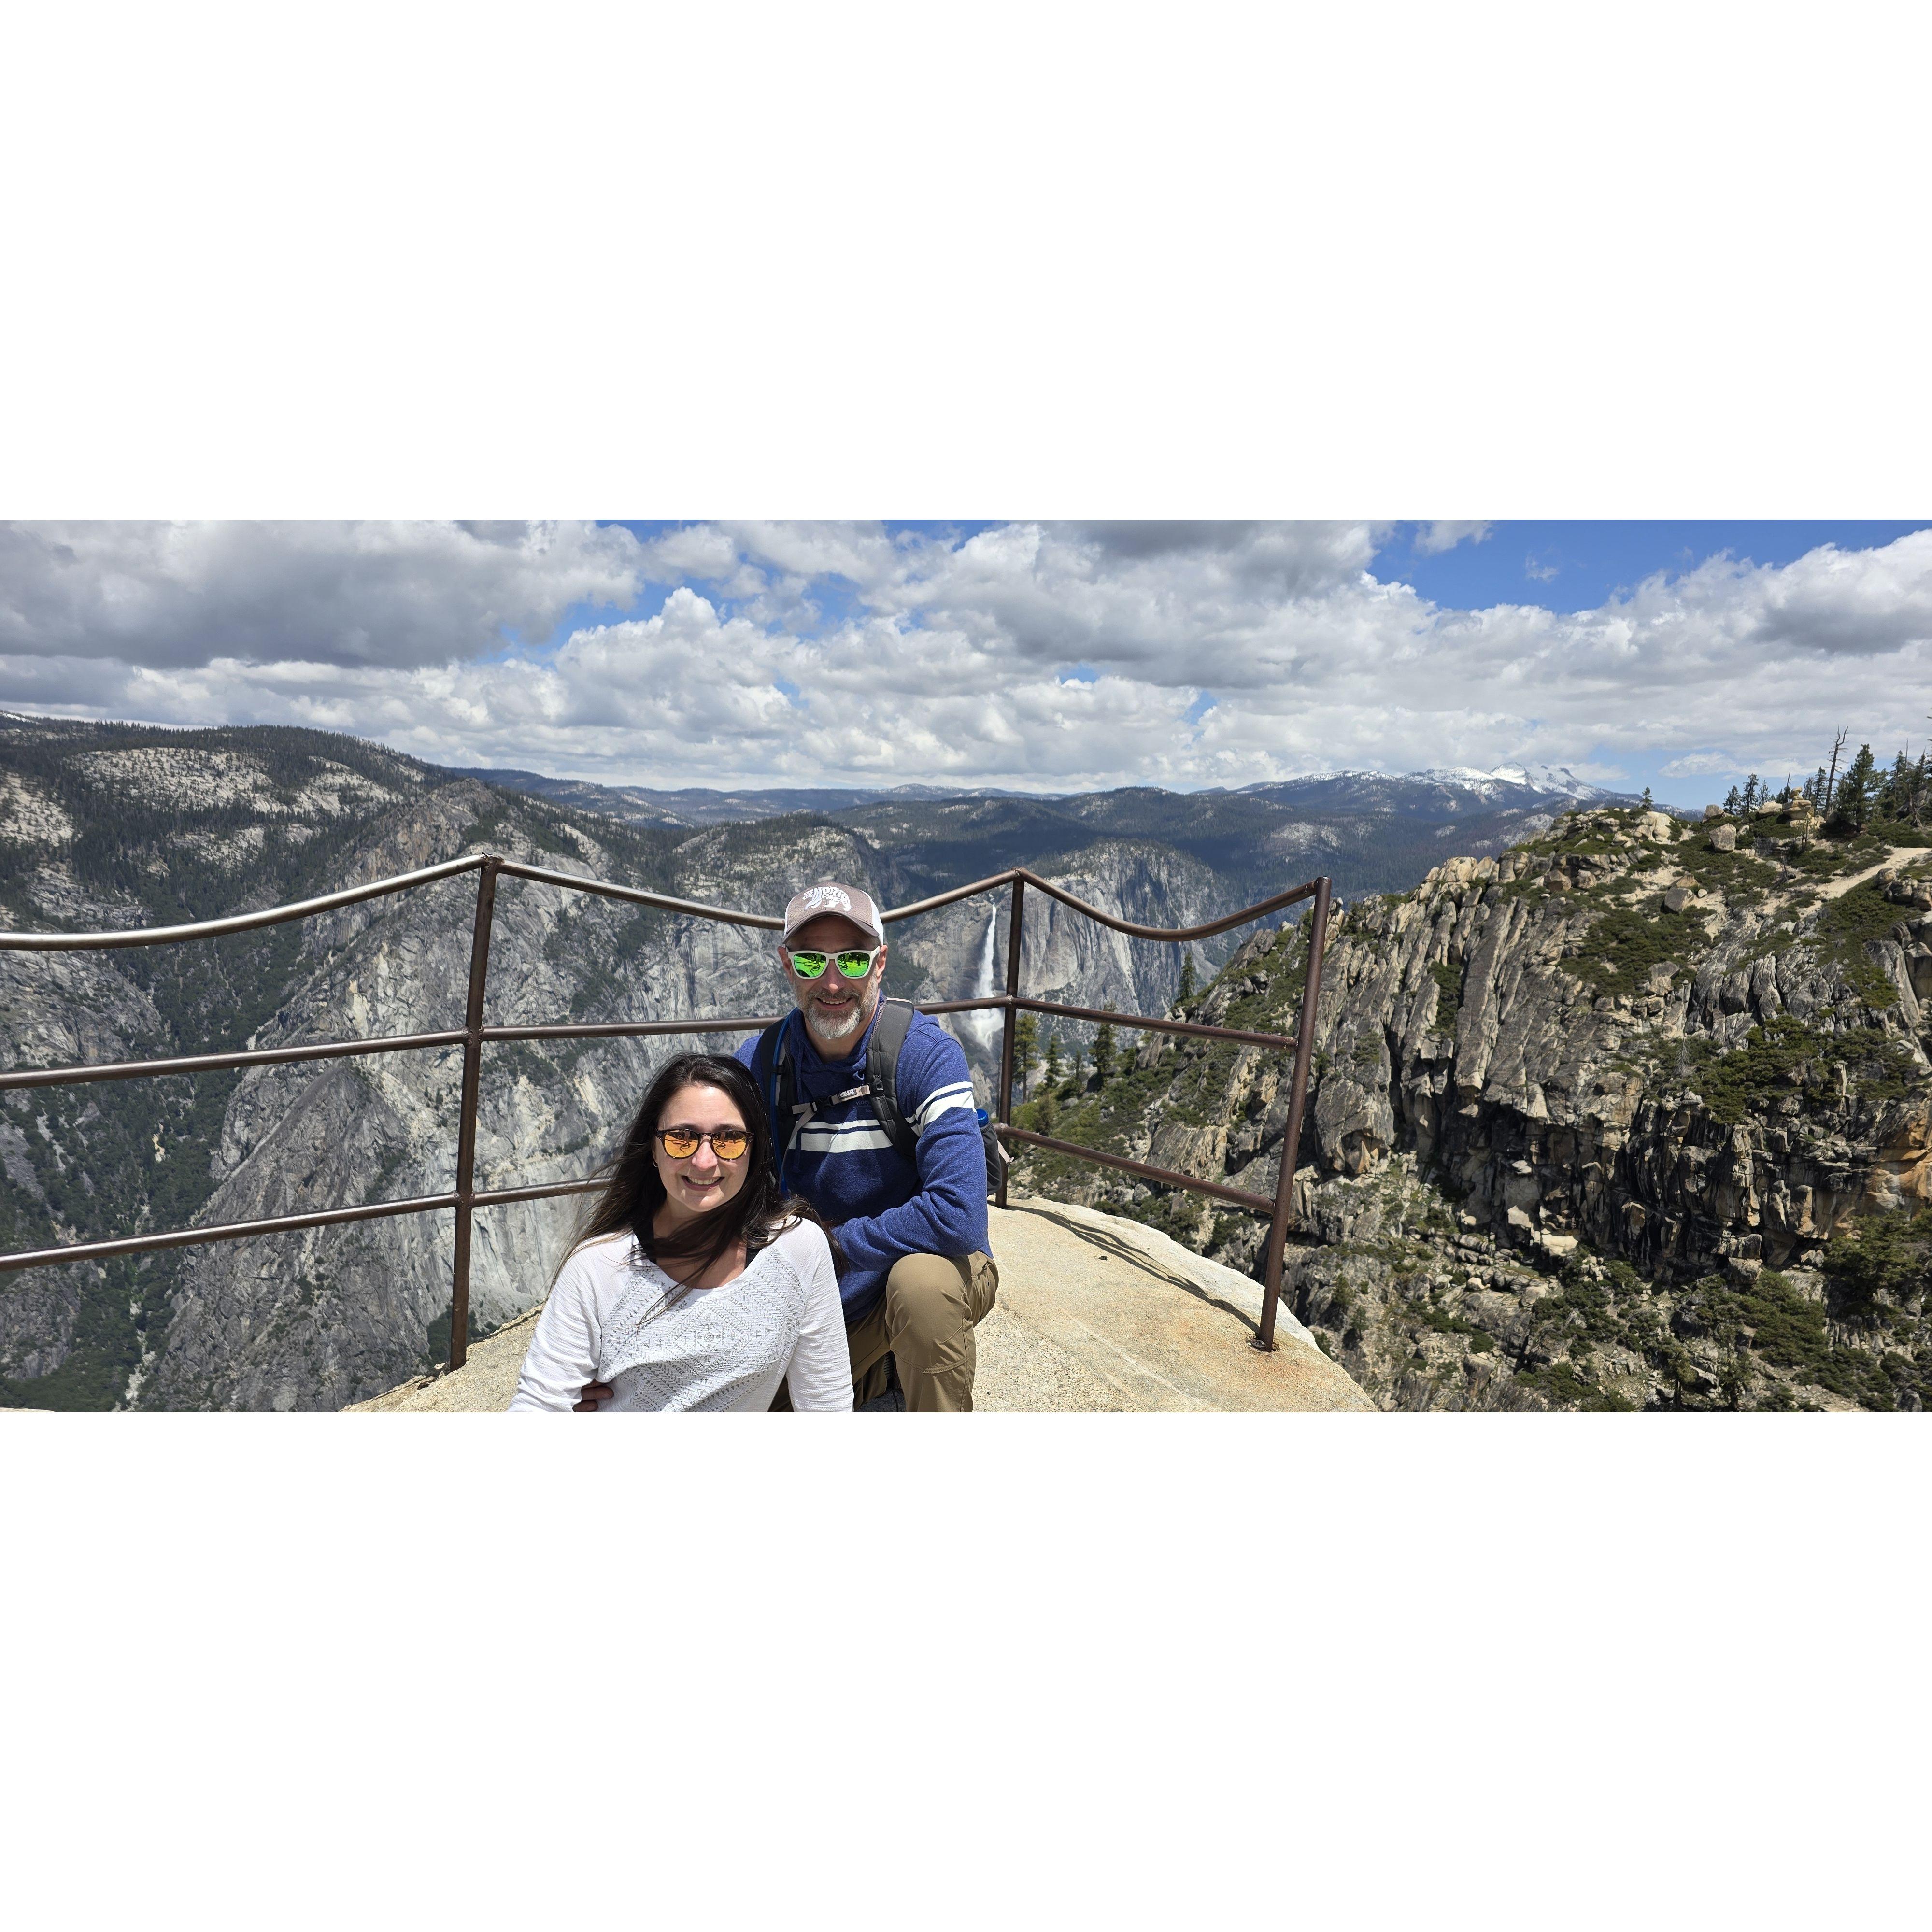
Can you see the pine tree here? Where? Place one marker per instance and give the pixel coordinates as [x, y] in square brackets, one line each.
[1751, 793]
[1187, 992]
[1733, 803]
[1076, 1080]
[1055, 1069]
[1857, 788]
[1894, 797]
[1026, 1049]
[1103, 1053]
[1647, 804]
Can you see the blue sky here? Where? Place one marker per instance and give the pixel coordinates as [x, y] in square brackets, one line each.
[1577, 566]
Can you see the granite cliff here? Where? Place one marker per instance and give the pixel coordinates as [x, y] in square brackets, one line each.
[104, 826]
[1638, 1115]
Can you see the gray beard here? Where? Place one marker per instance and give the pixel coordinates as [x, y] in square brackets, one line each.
[845, 1030]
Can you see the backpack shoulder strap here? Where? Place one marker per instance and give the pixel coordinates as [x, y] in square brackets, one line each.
[882, 1071]
[780, 1092]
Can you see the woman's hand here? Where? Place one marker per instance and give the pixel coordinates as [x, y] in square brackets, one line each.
[588, 1397]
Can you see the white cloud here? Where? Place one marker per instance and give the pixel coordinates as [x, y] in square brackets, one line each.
[371, 593]
[1432, 539]
[947, 659]
[1701, 764]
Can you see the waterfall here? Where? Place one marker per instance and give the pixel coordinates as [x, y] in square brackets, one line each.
[983, 1029]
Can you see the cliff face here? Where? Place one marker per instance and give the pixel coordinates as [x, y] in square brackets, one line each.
[324, 1317]
[1638, 1115]
[106, 826]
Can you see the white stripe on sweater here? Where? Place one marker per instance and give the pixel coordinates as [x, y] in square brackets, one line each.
[943, 1100]
[860, 1137]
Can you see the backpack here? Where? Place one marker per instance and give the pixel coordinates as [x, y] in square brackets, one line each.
[881, 1083]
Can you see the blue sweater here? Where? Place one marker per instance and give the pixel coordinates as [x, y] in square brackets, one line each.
[882, 1205]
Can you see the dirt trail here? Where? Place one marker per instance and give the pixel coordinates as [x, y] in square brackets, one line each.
[1895, 855]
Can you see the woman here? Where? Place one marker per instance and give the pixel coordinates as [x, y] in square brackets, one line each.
[696, 1286]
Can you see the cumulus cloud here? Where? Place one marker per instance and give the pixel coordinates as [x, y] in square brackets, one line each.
[790, 653]
[370, 593]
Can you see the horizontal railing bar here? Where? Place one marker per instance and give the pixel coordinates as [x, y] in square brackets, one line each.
[1255, 1204]
[952, 898]
[1225, 924]
[209, 1062]
[1205, 931]
[624, 1029]
[245, 922]
[228, 1231]
[1146, 1023]
[495, 1197]
[216, 928]
[635, 896]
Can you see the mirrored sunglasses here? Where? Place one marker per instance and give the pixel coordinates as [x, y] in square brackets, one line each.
[851, 965]
[727, 1143]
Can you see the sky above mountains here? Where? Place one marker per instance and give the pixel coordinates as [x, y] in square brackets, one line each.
[1054, 656]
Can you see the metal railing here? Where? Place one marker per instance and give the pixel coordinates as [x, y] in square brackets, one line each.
[465, 1197]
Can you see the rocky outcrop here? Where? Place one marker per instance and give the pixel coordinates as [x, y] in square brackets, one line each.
[1096, 1313]
[1624, 1045]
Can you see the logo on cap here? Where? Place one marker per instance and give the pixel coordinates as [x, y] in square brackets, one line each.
[821, 897]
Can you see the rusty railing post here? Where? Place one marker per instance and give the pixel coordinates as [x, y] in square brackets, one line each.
[1291, 1140]
[1016, 919]
[465, 1132]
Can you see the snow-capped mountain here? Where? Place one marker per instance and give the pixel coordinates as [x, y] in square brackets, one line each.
[1446, 791]
[1557, 780]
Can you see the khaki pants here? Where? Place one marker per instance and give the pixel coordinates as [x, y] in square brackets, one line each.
[932, 1304]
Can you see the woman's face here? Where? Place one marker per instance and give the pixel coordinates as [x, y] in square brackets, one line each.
[701, 1182]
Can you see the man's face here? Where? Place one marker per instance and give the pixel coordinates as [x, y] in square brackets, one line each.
[836, 1009]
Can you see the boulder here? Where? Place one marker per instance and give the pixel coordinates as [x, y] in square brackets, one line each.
[1723, 838]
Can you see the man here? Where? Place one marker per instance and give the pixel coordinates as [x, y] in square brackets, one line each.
[915, 1274]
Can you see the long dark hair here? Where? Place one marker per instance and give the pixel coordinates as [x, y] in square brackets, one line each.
[634, 1193]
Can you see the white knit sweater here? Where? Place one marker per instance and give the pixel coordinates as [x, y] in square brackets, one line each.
[712, 1349]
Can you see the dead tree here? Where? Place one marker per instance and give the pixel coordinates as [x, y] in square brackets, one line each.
[1831, 778]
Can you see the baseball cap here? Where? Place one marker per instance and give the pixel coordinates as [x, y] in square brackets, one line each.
[828, 896]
